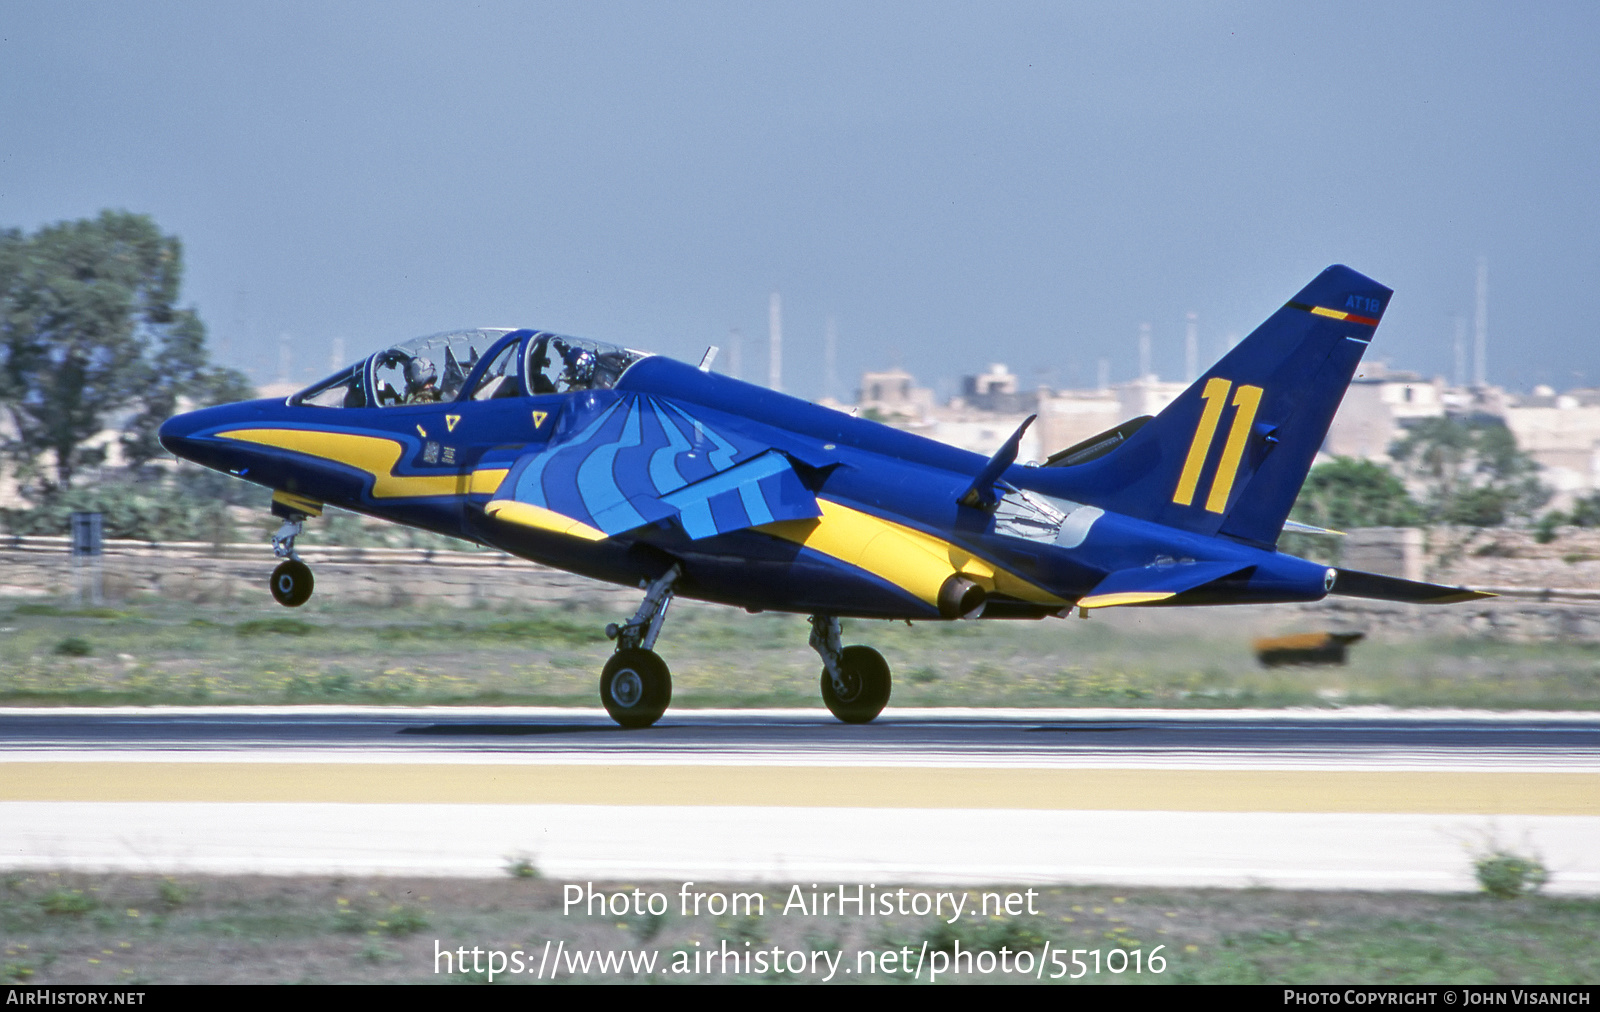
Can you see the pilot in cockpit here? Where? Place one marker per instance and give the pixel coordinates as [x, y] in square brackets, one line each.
[580, 363]
[421, 382]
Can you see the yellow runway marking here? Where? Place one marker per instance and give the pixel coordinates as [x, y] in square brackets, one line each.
[1418, 792]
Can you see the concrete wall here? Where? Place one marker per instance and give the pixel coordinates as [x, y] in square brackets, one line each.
[204, 574]
[1391, 551]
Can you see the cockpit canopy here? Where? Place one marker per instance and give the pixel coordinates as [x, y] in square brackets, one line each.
[476, 365]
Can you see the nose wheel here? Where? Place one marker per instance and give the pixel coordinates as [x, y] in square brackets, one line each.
[292, 583]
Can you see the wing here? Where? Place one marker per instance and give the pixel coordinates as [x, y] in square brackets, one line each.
[1150, 584]
[643, 462]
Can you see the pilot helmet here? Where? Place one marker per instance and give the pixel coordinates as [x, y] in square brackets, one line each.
[419, 372]
[580, 363]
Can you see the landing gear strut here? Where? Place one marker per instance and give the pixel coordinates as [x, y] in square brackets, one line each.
[855, 680]
[635, 685]
[291, 582]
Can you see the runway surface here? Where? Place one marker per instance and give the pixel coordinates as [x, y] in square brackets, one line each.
[1453, 739]
[1363, 799]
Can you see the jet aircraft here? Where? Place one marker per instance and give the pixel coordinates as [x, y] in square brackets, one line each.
[637, 469]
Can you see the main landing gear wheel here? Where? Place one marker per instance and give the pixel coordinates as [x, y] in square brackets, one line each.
[863, 691]
[636, 687]
[291, 583]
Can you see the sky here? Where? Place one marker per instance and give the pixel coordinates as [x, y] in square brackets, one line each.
[952, 184]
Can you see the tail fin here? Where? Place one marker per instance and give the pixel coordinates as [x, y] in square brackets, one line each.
[1230, 454]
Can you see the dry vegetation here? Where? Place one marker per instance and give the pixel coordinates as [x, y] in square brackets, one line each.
[65, 928]
[169, 653]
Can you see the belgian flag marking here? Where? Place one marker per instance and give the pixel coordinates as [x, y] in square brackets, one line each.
[1335, 314]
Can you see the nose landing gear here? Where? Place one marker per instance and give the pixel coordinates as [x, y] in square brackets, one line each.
[291, 582]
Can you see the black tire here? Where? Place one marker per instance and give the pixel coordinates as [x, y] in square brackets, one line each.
[866, 686]
[291, 583]
[635, 687]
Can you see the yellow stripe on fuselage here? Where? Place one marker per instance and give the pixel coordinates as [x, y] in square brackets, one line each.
[487, 480]
[917, 563]
[540, 518]
[375, 455]
[1125, 597]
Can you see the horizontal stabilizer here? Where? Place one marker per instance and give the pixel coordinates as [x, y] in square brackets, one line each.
[1296, 527]
[1351, 583]
[1151, 584]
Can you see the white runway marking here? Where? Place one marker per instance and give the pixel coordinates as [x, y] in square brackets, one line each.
[1385, 811]
[781, 845]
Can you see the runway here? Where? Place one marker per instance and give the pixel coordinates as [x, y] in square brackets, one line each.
[1319, 799]
[1032, 737]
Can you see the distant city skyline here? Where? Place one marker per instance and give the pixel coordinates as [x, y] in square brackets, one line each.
[964, 183]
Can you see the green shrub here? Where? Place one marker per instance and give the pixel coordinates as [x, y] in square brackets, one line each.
[73, 902]
[275, 626]
[522, 866]
[174, 895]
[401, 921]
[74, 646]
[1505, 875]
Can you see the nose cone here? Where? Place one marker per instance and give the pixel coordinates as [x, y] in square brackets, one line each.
[177, 433]
[192, 435]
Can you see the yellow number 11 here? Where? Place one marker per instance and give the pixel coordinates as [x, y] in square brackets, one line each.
[1246, 400]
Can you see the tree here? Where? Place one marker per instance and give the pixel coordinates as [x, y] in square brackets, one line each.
[91, 333]
[1585, 513]
[1347, 493]
[1472, 470]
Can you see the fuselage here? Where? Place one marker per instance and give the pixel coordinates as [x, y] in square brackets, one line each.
[887, 531]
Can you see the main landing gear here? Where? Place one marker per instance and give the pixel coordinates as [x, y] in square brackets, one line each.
[291, 582]
[855, 680]
[635, 685]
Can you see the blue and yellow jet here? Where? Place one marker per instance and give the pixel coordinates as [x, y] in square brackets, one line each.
[641, 470]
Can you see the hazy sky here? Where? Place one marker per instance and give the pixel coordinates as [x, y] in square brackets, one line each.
[952, 183]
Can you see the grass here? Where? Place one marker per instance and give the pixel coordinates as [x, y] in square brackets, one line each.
[260, 929]
[156, 652]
